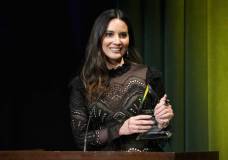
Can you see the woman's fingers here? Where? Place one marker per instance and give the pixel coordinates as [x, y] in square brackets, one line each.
[141, 120]
[141, 131]
[140, 127]
[141, 117]
[164, 98]
[165, 116]
[140, 123]
[165, 113]
[161, 106]
[144, 122]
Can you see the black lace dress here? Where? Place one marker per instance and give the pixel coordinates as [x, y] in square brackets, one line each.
[107, 114]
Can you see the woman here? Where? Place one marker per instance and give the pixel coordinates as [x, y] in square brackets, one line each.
[105, 102]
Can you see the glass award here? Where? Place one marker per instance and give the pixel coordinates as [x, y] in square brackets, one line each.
[147, 104]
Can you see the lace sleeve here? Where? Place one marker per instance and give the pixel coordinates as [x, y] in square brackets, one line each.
[79, 121]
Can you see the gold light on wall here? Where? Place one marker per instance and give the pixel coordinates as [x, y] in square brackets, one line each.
[218, 76]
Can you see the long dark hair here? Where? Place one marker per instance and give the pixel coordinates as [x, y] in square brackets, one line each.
[95, 72]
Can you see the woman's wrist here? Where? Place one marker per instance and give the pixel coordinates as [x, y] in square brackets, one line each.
[163, 125]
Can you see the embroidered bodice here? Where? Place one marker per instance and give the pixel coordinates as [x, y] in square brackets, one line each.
[106, 115]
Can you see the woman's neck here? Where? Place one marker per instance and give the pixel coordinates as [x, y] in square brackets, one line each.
[114, 64]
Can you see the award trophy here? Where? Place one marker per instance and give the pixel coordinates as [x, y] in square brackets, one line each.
[151, 100]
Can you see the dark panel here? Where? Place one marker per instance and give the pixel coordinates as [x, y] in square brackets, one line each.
[43, 45]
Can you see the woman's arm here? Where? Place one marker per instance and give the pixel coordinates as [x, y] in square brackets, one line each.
[95, 139]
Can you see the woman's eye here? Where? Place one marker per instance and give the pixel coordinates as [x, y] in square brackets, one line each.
[123, 35]
[108, 34]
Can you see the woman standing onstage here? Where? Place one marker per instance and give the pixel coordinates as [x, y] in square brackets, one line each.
[105, 99]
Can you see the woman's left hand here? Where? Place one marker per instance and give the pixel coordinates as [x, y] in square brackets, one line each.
[163, 112]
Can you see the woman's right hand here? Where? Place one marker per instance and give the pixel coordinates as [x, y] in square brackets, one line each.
[136, 124]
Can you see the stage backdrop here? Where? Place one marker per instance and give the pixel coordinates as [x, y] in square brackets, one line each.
[187, 40]
[42, 48]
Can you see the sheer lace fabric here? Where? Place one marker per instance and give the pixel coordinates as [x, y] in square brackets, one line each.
[112, 108]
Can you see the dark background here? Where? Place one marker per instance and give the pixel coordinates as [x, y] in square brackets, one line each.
[42, 46]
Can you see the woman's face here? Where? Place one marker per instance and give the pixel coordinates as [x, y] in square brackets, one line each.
[115, 41]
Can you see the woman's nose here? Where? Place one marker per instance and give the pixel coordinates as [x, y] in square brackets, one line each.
[117, 40]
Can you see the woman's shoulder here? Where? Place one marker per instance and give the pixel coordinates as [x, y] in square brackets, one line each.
[76, 82]
[138, 66]
[151, 71]
[154, 72]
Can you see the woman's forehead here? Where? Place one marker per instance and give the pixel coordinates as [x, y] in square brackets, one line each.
[117, 24]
